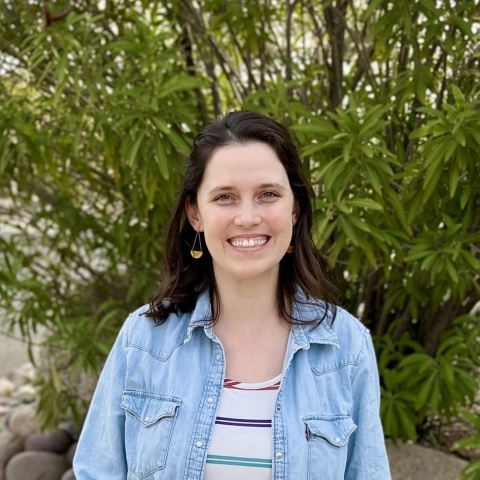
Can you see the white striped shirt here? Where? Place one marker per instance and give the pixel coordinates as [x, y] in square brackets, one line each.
[241, 443]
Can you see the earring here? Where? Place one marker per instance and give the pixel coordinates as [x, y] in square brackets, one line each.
[196, 254]
[291, 248]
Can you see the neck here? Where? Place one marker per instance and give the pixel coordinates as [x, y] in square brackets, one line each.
[247, 305]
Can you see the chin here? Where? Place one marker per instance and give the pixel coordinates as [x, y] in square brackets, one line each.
[254, 273]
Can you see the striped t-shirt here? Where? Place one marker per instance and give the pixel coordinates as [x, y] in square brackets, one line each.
[241, 443]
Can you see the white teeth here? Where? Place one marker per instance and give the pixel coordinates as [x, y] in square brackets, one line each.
[248, 242]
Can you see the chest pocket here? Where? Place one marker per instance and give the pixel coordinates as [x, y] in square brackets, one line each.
[149, 423]
[327, 445]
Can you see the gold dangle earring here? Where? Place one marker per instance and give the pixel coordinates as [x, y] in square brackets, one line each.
[196, 254]
[291, 248]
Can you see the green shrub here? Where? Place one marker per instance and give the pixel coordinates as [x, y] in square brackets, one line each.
[98, 111]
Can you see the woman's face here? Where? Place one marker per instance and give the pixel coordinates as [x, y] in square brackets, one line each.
[246, 209]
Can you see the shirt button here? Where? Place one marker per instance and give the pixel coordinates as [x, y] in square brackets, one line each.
[199, 444]
[218, 357]
[147, 419]
[337, 439]
[278, 407]
[210, 400]
[279, 455]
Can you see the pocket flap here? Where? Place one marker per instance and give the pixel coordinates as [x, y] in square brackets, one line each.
[149, 408]
[335, 430]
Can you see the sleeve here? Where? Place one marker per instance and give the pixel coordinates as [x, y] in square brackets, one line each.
[100, 452]
[367, 456]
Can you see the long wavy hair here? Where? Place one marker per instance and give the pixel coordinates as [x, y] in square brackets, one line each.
[185, 278]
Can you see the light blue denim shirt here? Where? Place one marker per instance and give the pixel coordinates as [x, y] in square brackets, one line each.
[155, 405]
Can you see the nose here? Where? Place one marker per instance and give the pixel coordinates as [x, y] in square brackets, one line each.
[247, 215]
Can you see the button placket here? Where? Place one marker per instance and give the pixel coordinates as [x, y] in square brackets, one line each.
[205, 418]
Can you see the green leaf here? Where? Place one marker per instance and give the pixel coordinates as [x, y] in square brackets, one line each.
[357, 222]
[430, 6]
[418, 255]
[454, 174]
[451, 270]
[460, 137]
[162, 160]
[372, 177]
[465, 196]
[470, 259]
[349, 230]
[179, 143]
[458, 95]
[397, 206]
[132, 153]
[179, 84]
[320, 126]
[364, 203]
[57, 384]
[346, 151]
[425, 392]
[325, 229]
[432, 177]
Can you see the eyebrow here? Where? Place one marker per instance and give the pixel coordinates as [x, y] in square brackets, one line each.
[261, 186]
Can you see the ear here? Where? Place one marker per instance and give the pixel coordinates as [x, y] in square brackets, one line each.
[193, 215]
[295, 213]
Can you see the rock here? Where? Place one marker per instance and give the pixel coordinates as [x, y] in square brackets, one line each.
[27, 371]
[7, 387]
[68, 475]
[56, 442]
[4, 410]
[22, 421]
[457, 430]
[9, 446]
[71, 453]
[26, 393]
[36, 466]
[412, 462]
[5, 400]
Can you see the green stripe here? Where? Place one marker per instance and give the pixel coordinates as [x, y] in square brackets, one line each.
[243, 459]
[239, 461]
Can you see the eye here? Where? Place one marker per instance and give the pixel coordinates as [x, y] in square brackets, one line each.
[269, 195]
[223, 198]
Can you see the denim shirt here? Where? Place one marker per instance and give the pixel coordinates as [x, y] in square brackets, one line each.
[155, 405]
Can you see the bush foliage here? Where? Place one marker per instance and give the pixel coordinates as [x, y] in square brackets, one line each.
[100, 103]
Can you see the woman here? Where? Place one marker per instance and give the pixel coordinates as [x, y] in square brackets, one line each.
[241, 367]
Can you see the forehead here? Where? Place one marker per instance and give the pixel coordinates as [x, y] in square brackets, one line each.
[244, 165]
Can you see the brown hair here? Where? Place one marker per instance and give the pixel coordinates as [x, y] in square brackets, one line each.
[185, 278]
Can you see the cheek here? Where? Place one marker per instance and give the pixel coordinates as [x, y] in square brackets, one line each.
[215, 226]
[282, 220]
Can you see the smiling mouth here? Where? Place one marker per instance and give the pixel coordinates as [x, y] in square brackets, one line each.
[248, 242]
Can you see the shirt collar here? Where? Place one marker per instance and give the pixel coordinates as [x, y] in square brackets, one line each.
[303, 310]
[307, 309]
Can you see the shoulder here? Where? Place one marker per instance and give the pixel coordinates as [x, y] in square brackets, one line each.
[347, 325]
[352, 335]
[159, 339]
